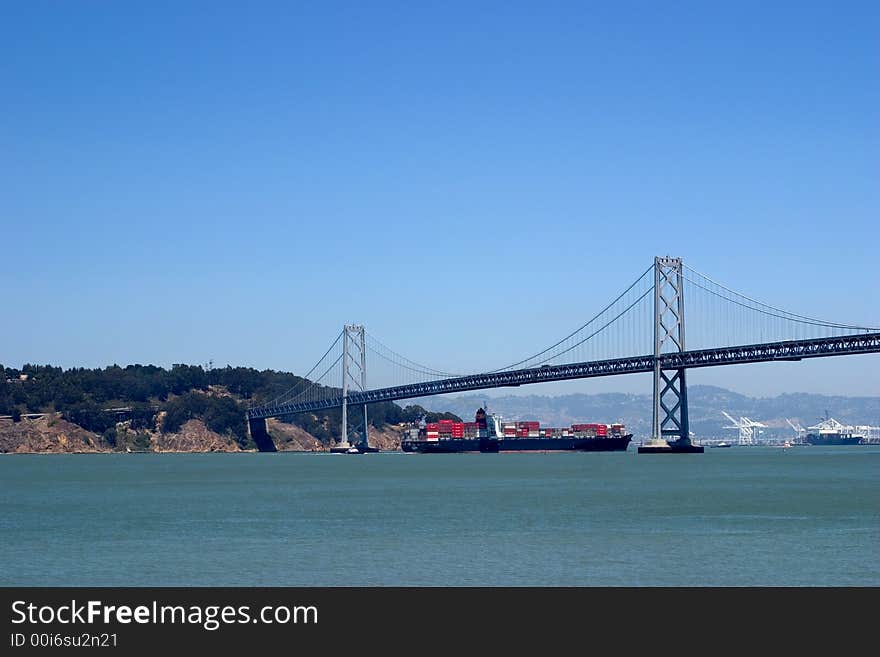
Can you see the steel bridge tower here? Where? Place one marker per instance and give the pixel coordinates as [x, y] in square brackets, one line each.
[354, 376]
[670, 416]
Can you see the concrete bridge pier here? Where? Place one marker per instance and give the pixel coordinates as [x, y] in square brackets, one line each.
[260, 435]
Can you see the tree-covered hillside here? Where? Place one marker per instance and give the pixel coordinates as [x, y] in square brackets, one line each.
[153, 397]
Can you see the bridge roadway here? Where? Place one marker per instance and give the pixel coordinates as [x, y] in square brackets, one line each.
[792, 350]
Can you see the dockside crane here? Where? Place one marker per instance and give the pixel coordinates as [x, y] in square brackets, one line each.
[799, 430]
[746, 428]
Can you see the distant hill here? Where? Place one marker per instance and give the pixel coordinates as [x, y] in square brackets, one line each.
[705, 404]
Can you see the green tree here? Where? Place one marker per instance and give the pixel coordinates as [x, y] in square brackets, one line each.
[109, 436]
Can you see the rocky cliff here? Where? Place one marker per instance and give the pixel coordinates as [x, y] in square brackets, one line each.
[53, 434]
[48, 434]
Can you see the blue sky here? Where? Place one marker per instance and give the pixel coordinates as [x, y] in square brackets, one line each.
[194, 181]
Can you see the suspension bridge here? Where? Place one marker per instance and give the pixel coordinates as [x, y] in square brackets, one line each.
[642, 330]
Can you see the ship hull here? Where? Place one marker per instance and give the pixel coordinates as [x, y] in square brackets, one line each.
[514, 445]
[836, 440]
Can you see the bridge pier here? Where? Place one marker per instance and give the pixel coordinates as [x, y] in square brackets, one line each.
[353, 340]
[260, 435]
[670, 417]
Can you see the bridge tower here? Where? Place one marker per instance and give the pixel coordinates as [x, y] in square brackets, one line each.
[670, 416]
[354, 373]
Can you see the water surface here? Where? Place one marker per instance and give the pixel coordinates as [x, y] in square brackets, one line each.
[745, 516]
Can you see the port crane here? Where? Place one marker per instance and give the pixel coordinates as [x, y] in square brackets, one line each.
[798, 429]
[746, 428]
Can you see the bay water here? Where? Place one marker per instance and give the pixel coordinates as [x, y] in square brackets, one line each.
[744, 516]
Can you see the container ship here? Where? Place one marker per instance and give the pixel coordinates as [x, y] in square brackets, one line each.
[832, 432]
[490, 434]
